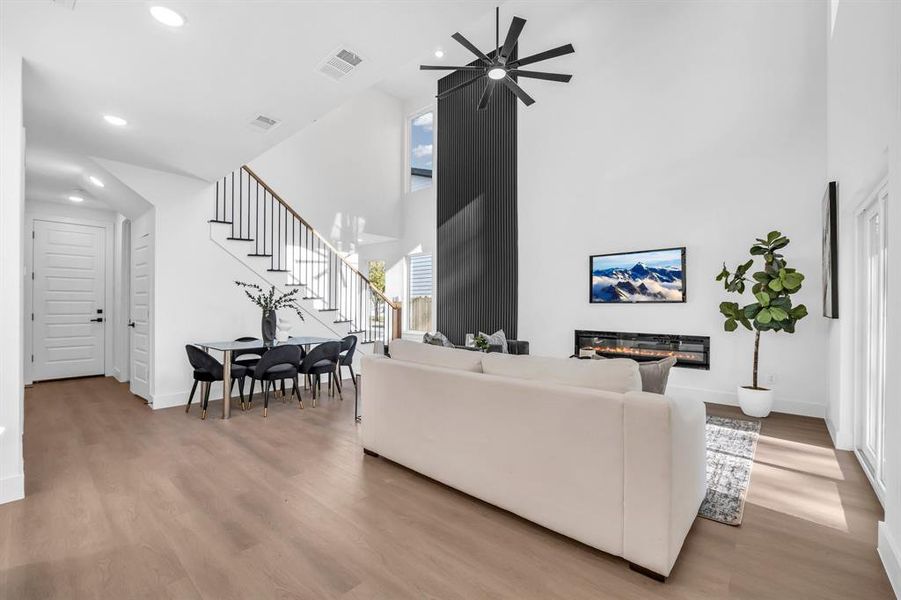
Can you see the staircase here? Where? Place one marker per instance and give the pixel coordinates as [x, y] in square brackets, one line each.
[294, 255]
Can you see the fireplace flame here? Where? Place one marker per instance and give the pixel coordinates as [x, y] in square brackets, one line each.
[647, 352]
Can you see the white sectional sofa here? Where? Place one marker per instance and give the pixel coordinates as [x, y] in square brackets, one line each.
[575, 446]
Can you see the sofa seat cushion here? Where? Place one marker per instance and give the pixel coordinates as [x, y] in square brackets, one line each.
[436, 356]
[614, 375]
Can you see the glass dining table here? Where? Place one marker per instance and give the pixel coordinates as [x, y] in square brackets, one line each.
[228, 348]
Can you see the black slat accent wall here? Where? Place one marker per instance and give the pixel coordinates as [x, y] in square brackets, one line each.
[477, 261]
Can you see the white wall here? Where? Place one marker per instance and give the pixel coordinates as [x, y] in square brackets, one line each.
[698, 124]
[864, 147]
[343, 172]
[417, 215]
[121, 316]
[195, 298]
[12, 201]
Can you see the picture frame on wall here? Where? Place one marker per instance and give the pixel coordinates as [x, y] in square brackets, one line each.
[830, 251]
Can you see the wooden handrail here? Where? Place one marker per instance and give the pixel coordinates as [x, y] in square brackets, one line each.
[287, 206]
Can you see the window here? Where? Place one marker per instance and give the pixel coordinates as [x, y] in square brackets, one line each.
[419, 293]
[421, 150]
[377, 274]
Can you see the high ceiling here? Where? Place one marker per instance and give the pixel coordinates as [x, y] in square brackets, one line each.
[189, 94]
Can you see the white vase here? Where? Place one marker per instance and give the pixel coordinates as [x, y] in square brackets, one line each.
[755, 403]
[283, 332]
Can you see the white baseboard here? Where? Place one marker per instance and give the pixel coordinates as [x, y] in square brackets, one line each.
[890, 553]
[12, 488]
[783, 405]
[162, 401]
[117, 374]
[840, 439]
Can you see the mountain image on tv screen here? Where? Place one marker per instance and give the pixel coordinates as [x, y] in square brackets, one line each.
[648, 276]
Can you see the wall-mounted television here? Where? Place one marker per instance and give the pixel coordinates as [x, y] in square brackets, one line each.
[637, 277]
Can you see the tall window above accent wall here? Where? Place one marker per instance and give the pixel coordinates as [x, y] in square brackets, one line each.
[421, 144]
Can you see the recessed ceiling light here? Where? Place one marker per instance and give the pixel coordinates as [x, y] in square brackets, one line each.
[75, 198]
[167, 16]
[96, 181]
[497, 73]
[439, 53]
[114, 120]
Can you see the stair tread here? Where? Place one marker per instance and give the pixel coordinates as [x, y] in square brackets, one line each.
[277, 270]
[219, 221]
[342, 321]
[240, 239]
[328, 310]
[264, 255]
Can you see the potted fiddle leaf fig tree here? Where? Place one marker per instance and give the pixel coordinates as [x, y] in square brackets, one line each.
[773, 310]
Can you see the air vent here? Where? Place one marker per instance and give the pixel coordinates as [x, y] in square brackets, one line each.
[339, 64]
[265, 123]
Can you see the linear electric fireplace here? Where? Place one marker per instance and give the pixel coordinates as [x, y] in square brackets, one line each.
[691, 351]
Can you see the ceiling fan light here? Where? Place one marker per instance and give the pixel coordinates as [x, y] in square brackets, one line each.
[497, 73]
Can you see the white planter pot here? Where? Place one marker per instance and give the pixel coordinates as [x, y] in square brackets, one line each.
[755, 403]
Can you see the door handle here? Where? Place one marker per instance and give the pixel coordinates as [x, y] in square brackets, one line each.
[97, 320]
[131, 324]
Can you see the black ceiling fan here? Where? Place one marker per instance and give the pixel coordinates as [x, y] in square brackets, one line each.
[497, 67]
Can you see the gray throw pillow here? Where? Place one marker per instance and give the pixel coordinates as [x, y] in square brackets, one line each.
[437, 339]
[655, 374]
[498, 338]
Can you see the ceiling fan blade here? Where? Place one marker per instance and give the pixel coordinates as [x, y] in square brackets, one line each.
[459, 86]
[520, 93]
[470, 46]
[553, 53]
[486, 95]
[540, 75]
[512, 36]
[450, 68]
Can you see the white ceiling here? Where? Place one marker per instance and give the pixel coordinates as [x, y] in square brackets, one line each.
[408, 82]
[188, 94]
[54, 175]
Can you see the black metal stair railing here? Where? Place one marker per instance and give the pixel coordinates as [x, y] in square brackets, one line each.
[259, 215]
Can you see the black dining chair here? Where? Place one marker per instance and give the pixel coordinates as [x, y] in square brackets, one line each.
[207, 370]
[248, 358]
[346, 357]
[277, 365]
[322, 360]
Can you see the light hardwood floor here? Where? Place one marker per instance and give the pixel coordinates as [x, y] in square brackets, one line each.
[123, 502]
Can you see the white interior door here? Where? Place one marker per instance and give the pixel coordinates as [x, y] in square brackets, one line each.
[139, 324]
[69, 293]
[871, 409]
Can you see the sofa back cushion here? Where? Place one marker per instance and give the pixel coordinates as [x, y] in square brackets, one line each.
[436, 356]
[614, 375]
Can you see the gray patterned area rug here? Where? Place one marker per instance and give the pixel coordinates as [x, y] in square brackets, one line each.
[731, 444]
